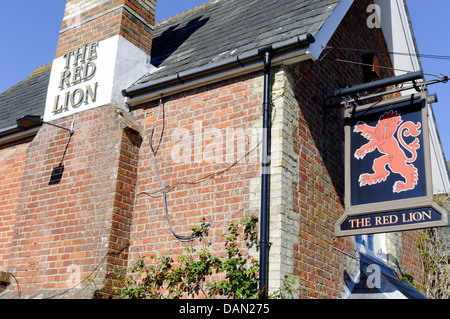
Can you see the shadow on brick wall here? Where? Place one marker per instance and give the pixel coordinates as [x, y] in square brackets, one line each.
[58, 172]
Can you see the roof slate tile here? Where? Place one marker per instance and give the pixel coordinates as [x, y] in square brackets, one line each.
[25, 98]
[212, 33]
[229, 28]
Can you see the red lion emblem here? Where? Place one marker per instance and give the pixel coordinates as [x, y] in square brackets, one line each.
[382, 137]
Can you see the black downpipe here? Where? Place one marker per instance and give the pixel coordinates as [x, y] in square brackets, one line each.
[265, 183]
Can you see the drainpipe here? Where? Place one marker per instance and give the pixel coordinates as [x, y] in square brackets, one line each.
[265, 182]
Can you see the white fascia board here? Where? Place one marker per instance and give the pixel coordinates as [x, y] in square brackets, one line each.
[398, 35]
[441, 182]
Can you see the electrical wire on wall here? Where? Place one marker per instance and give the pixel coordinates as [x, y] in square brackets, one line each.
[162, 113]
[92, 275]
[380, 66]
[418, 86]
[164, 190]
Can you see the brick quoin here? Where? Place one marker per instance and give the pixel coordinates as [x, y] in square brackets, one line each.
[77, 217]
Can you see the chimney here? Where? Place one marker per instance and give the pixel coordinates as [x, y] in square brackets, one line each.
[104, 47]
[89, 21]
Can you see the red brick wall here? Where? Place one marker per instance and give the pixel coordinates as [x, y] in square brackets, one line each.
[12, 163]
[70, 222]
[318, 258]
[67, 225]
[319, 262]
[104, 21]
[410, 262]
[229, 107]
[321, 188]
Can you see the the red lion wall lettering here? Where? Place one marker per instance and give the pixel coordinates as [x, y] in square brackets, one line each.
[383, 138]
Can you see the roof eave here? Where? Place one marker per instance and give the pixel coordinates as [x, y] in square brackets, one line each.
[14, 134]
[330, 26]
[286, 52]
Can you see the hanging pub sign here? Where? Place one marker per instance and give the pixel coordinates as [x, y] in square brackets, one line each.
[388, 185]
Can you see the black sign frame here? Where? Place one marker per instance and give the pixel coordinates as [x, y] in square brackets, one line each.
[384, 188]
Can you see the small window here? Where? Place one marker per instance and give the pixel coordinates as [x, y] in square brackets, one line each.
[371, 67]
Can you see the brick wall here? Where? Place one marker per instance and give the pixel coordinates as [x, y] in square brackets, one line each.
[206, 130]
[12, 163]
[92, 202]
[88, 21]
[69, 217]
[74, 213]
[318, 258]
[409, 260]
[307, 177]
[320, 190]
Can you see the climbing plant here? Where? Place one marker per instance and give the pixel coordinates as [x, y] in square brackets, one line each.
[434, 254]
[191, 274]
[435, 260]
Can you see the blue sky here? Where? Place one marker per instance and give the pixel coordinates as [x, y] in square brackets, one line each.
[29, 33]
[431, 28]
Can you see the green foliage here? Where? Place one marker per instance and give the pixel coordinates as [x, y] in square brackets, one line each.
[191, 275]
[434, 256]
[287, 290]
[292, 286]
[409, 279]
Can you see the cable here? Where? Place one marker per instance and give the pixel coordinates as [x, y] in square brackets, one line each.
[380, 66]
[157, 193]
[89, 276]
[419, 55]
[18, 286]
[85, 279]
[164, 190]
[161, 183]
[78, 284]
